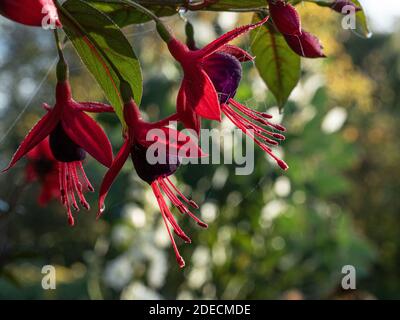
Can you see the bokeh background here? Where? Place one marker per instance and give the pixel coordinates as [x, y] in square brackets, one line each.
[272, 235]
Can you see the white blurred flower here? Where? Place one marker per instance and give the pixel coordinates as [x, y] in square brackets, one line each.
[118, 272]
[121, 234]
[227, 20]
[271, 211]
[209, 212]
[135, 215]
[138, 291]
[201, 257]
[334, 120]
[157, 271]
[197, 277]
[220, 177]
[282, 186]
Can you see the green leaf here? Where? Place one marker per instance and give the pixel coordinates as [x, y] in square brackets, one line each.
[124, 15]
[277, 64]
[100, 44]
[362, 22]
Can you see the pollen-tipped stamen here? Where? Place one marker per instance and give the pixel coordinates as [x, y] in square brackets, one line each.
[260, 119]
[192, 203]
[163, 206]
[239, 121]
[70, 185]
[161, 203]
[85, 178]
[64, 190]
[78, 186]
[258, 131]
[182, 208]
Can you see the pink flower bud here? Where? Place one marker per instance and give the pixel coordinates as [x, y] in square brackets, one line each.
[285, 17]
[305, 45]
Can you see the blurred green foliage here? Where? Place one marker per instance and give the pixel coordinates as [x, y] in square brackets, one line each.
[271, 235]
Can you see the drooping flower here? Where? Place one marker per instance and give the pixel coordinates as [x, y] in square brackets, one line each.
[71, 135]
[43, 167]
[30, 12]
[285, 17]
[306, 45]
[211, 78]
[339, 5]
[197, 96]
[172, 146]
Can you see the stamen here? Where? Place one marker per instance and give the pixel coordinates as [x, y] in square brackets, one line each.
[179, 204]
[259, 131]
[64, 184]
[61, 182]
[85, 178]
[178, 231]
[78, 186]
[69, 185]
[190, 202]
[237, 120]
[248, 111]
[160, 200]
[71, 192]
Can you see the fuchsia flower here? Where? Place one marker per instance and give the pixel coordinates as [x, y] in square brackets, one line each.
[30, 12]
[138, 139]
[211, 78]
[338, 6]
[197, 96]
[43, 167]
[71, 134]
[305, 45]
[285, 17]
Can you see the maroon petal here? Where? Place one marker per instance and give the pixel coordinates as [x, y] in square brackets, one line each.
[238, 53]
[85, 132]
[38, 133]
[112, 173]
[94, 107]
[225, 72]
[228, 37]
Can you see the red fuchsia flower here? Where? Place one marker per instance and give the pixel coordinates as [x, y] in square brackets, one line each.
[338, 6]
[71, 134]
[197, 96]
[285, 17]
[30, 12]
[306, 45]
[138, 139]
[211, 78]
[43, 167]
